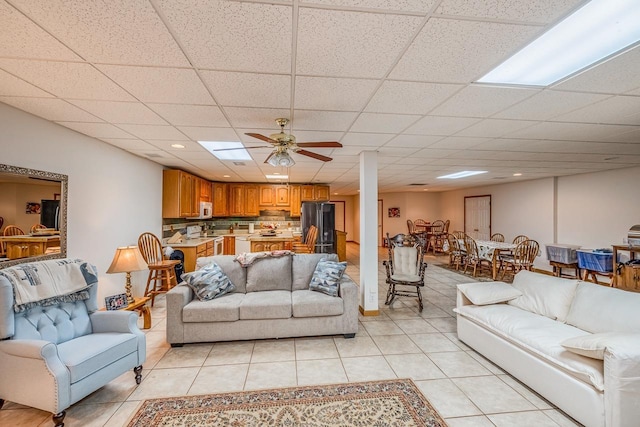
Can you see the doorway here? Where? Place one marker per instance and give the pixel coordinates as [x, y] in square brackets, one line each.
[477, 217]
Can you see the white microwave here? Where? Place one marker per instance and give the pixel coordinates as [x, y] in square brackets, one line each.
[206, 210]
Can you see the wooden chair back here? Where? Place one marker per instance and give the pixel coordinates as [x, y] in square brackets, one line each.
[525, 253]
[445, 230]
[411, 229]
[519, 239]
[497, 237]
[437, 226]
[420, 222]
[150, 247]
[36, 227]
[13, 230]
[458, 234]
[312, 238]
[471, 247]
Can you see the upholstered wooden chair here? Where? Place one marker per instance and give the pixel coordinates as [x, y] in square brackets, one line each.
[522, 259]
[162, 276]
[405, 268]
[309, 244]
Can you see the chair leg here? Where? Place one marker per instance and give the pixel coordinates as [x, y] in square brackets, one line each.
[137, 370]
[390, 294]
[419, 298]
[58, 418]
[1, 403]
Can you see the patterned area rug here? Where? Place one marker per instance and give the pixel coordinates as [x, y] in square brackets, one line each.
[375, 403]
[482, 275]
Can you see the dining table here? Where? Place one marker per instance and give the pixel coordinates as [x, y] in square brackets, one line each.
[490, 251]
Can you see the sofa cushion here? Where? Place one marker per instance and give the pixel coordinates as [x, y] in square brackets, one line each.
[223, 309]
[326, 277]
[306, 303]
[303, 266]
[269, 274]
[209, 282]
[266, 305]
[598, 308]
[594, 345]
[236, 273]
[488, 292]
[538, 335]
[88, 354]
[543, 294]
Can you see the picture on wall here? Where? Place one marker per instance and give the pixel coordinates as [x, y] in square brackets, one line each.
[33, 208]
[394, 212]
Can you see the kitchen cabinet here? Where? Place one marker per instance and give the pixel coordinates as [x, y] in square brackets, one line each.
[28, 246]
[229, 245]
[180, 194]
[274, 196]
[192, 253]
[321, 193]
[314, 193]
[237, 199]
[220, 198]
[267, 246]
[205, 190]
[296, 201]
[252, 200]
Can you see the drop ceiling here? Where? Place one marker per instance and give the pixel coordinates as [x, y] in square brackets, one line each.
[386, 75]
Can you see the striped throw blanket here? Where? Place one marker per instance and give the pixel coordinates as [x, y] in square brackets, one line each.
[50, 282]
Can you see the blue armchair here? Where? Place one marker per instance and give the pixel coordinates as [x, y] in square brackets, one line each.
[53, 356]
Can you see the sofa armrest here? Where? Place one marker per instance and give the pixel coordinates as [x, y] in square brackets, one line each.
[26, 365]
[114, 321]
[622, 383]
[177, 299]
[350, 294]
[461, 299]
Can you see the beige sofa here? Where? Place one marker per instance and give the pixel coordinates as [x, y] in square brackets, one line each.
[272, 300]
[542, 336]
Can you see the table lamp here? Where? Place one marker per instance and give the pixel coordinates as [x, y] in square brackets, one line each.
[126, 260]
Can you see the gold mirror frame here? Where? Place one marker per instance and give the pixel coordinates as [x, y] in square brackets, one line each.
[64, 183]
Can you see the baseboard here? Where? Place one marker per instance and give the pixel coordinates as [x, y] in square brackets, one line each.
[369, 312]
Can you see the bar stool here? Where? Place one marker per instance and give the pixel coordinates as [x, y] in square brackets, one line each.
[161, 271]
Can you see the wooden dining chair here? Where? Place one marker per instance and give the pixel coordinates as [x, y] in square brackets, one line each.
[309, 244]
[13, 230]
[472, 258]
[438, 234]
[36, 227]
[411, 227]
[519, 239]
[497, 237]
[162, 276]
[522, 259]
[456, 255]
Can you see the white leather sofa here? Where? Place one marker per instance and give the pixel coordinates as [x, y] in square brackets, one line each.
[272, 300]
[576, 343]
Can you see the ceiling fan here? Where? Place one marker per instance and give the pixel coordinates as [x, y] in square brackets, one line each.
[283, 142]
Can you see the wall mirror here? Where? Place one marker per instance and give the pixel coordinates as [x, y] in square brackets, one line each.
[35, 202]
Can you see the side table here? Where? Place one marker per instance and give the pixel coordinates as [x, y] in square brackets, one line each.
[140, 304]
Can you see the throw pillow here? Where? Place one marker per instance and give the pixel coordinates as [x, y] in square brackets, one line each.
[326, 277]
[489, 292]
[594, 345]
[209, 282]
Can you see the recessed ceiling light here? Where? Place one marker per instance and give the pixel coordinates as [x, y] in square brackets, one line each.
[462, 174]
[274, 176]
[177, 146]
[517, 174]
[335, 194]
[226, 176]
[226, 150]
[595, 31]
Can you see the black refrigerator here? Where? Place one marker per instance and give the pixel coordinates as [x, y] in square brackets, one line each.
[323, 216]
[50, 213]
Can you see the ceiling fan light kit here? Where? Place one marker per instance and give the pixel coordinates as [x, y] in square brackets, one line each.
[281, 158]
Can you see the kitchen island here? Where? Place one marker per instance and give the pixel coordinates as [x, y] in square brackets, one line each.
[193, 249]
[23, 246]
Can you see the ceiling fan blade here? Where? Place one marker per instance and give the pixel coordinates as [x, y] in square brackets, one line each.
[262, 137]
[314, 155]
[242, 148]
[323, 144]
[269, 156]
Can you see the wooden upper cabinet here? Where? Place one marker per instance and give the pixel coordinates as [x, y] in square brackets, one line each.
[252, 200]
[237, 200]
[274, 196]
[321, 193]
[267, 196]
[314, 193]
[180, 194]
[306, 193]
[205, 191]
[282, 195]
[294, 197]
[220, 198]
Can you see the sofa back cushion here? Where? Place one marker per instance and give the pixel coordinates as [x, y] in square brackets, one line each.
[236, 273]
[598, 308]
[543, 294]
[269, 274]
[303, 266]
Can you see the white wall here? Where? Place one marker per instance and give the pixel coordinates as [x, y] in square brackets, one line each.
[114, 196]
[348, 213]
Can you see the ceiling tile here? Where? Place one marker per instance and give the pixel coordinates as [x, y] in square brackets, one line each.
[482, 101]
[350, 44]
[249, 89]
[13, 86]
[129, 144]
[314, 136]
[383, 123]
[198, 133]
[168, 85]
[432, 153]
[190, 148]
[494, 128]
[120, 112]
[464, 50]
[256, 118]
[97, 130]
[129, 32]
[571, 131]
[325, 93]
[66, 79]
[410, 97]
[154, 132]
[623, 110]
[50, 109]
[232, 35]
[617, 75]
[368, 139]
[548, 104]
[419, 141]
[190, 115]
[542, 11]
[458, 142]
[435, 125]
[21, 38]
[322, 120]
[422, 6]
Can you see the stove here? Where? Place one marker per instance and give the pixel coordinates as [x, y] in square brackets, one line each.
[193, 232]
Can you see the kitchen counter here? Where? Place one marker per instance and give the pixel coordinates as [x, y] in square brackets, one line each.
[190, 243]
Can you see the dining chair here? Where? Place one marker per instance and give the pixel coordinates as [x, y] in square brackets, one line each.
[522, 259]
[456, 255]
[405, 268]
[472, 257]
[13, 230]
[36, 227]
[162, 276]
[458, 234]
[438, 234]
[519, 239]
[411, 227]
[497, 237]
[309, 244]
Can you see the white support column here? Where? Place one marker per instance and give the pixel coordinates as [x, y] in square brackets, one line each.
[368, 233]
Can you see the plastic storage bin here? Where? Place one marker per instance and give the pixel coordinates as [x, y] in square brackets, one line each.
[565, 254]
[595, 261]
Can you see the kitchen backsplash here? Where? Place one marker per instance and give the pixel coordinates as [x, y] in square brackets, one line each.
[218, 226]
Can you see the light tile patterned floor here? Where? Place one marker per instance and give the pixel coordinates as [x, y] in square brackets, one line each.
[467, 389]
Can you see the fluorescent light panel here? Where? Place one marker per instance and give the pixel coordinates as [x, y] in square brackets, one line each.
[462, 174]
[238, 152]
[595, 31]
[277, 176]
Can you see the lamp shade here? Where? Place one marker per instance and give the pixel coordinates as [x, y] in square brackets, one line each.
[127, 259]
